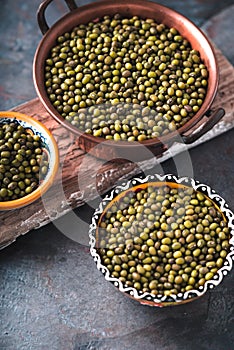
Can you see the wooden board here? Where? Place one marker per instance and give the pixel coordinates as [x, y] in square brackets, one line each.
[82, 177]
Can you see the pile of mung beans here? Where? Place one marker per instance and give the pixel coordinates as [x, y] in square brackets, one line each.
[125, 78]
[23, 164]
[163, 240]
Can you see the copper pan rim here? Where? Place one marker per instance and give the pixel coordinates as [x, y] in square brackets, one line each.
[143, 9]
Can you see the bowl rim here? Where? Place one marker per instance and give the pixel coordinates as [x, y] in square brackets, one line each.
[146, 297]
[58, 28]
[52, 147]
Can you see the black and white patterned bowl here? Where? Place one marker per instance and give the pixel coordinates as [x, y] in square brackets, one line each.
[148, 298]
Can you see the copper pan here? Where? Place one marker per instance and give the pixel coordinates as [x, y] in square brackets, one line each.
[99, 147]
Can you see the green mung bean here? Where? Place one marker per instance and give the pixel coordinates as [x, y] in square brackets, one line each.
[115, 64]
[20, 170]
[158, 256]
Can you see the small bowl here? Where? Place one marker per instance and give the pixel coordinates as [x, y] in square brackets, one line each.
[51, 149]
[173, 182]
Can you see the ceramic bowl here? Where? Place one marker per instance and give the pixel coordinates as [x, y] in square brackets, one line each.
[51, 149]
[173, 182]
[108, 149]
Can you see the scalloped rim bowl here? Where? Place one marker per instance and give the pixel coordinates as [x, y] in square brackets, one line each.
[147, 298]
[52, 149]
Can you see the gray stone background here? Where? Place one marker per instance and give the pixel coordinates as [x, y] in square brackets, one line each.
[51, 294]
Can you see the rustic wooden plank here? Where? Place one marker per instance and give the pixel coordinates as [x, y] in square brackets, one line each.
[82, 177]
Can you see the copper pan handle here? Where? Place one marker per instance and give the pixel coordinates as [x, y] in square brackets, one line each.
[41, 13]
[213, 118]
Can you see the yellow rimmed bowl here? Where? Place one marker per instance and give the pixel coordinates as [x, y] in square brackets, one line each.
[157, 181]
[50, 149]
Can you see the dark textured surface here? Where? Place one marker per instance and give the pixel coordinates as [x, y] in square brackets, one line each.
[51, 295]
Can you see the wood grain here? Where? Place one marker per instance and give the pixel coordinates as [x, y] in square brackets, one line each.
[82, 177]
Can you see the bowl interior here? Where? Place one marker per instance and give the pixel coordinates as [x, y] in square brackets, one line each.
[50, 147]
[157, 181]
[128, 8]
